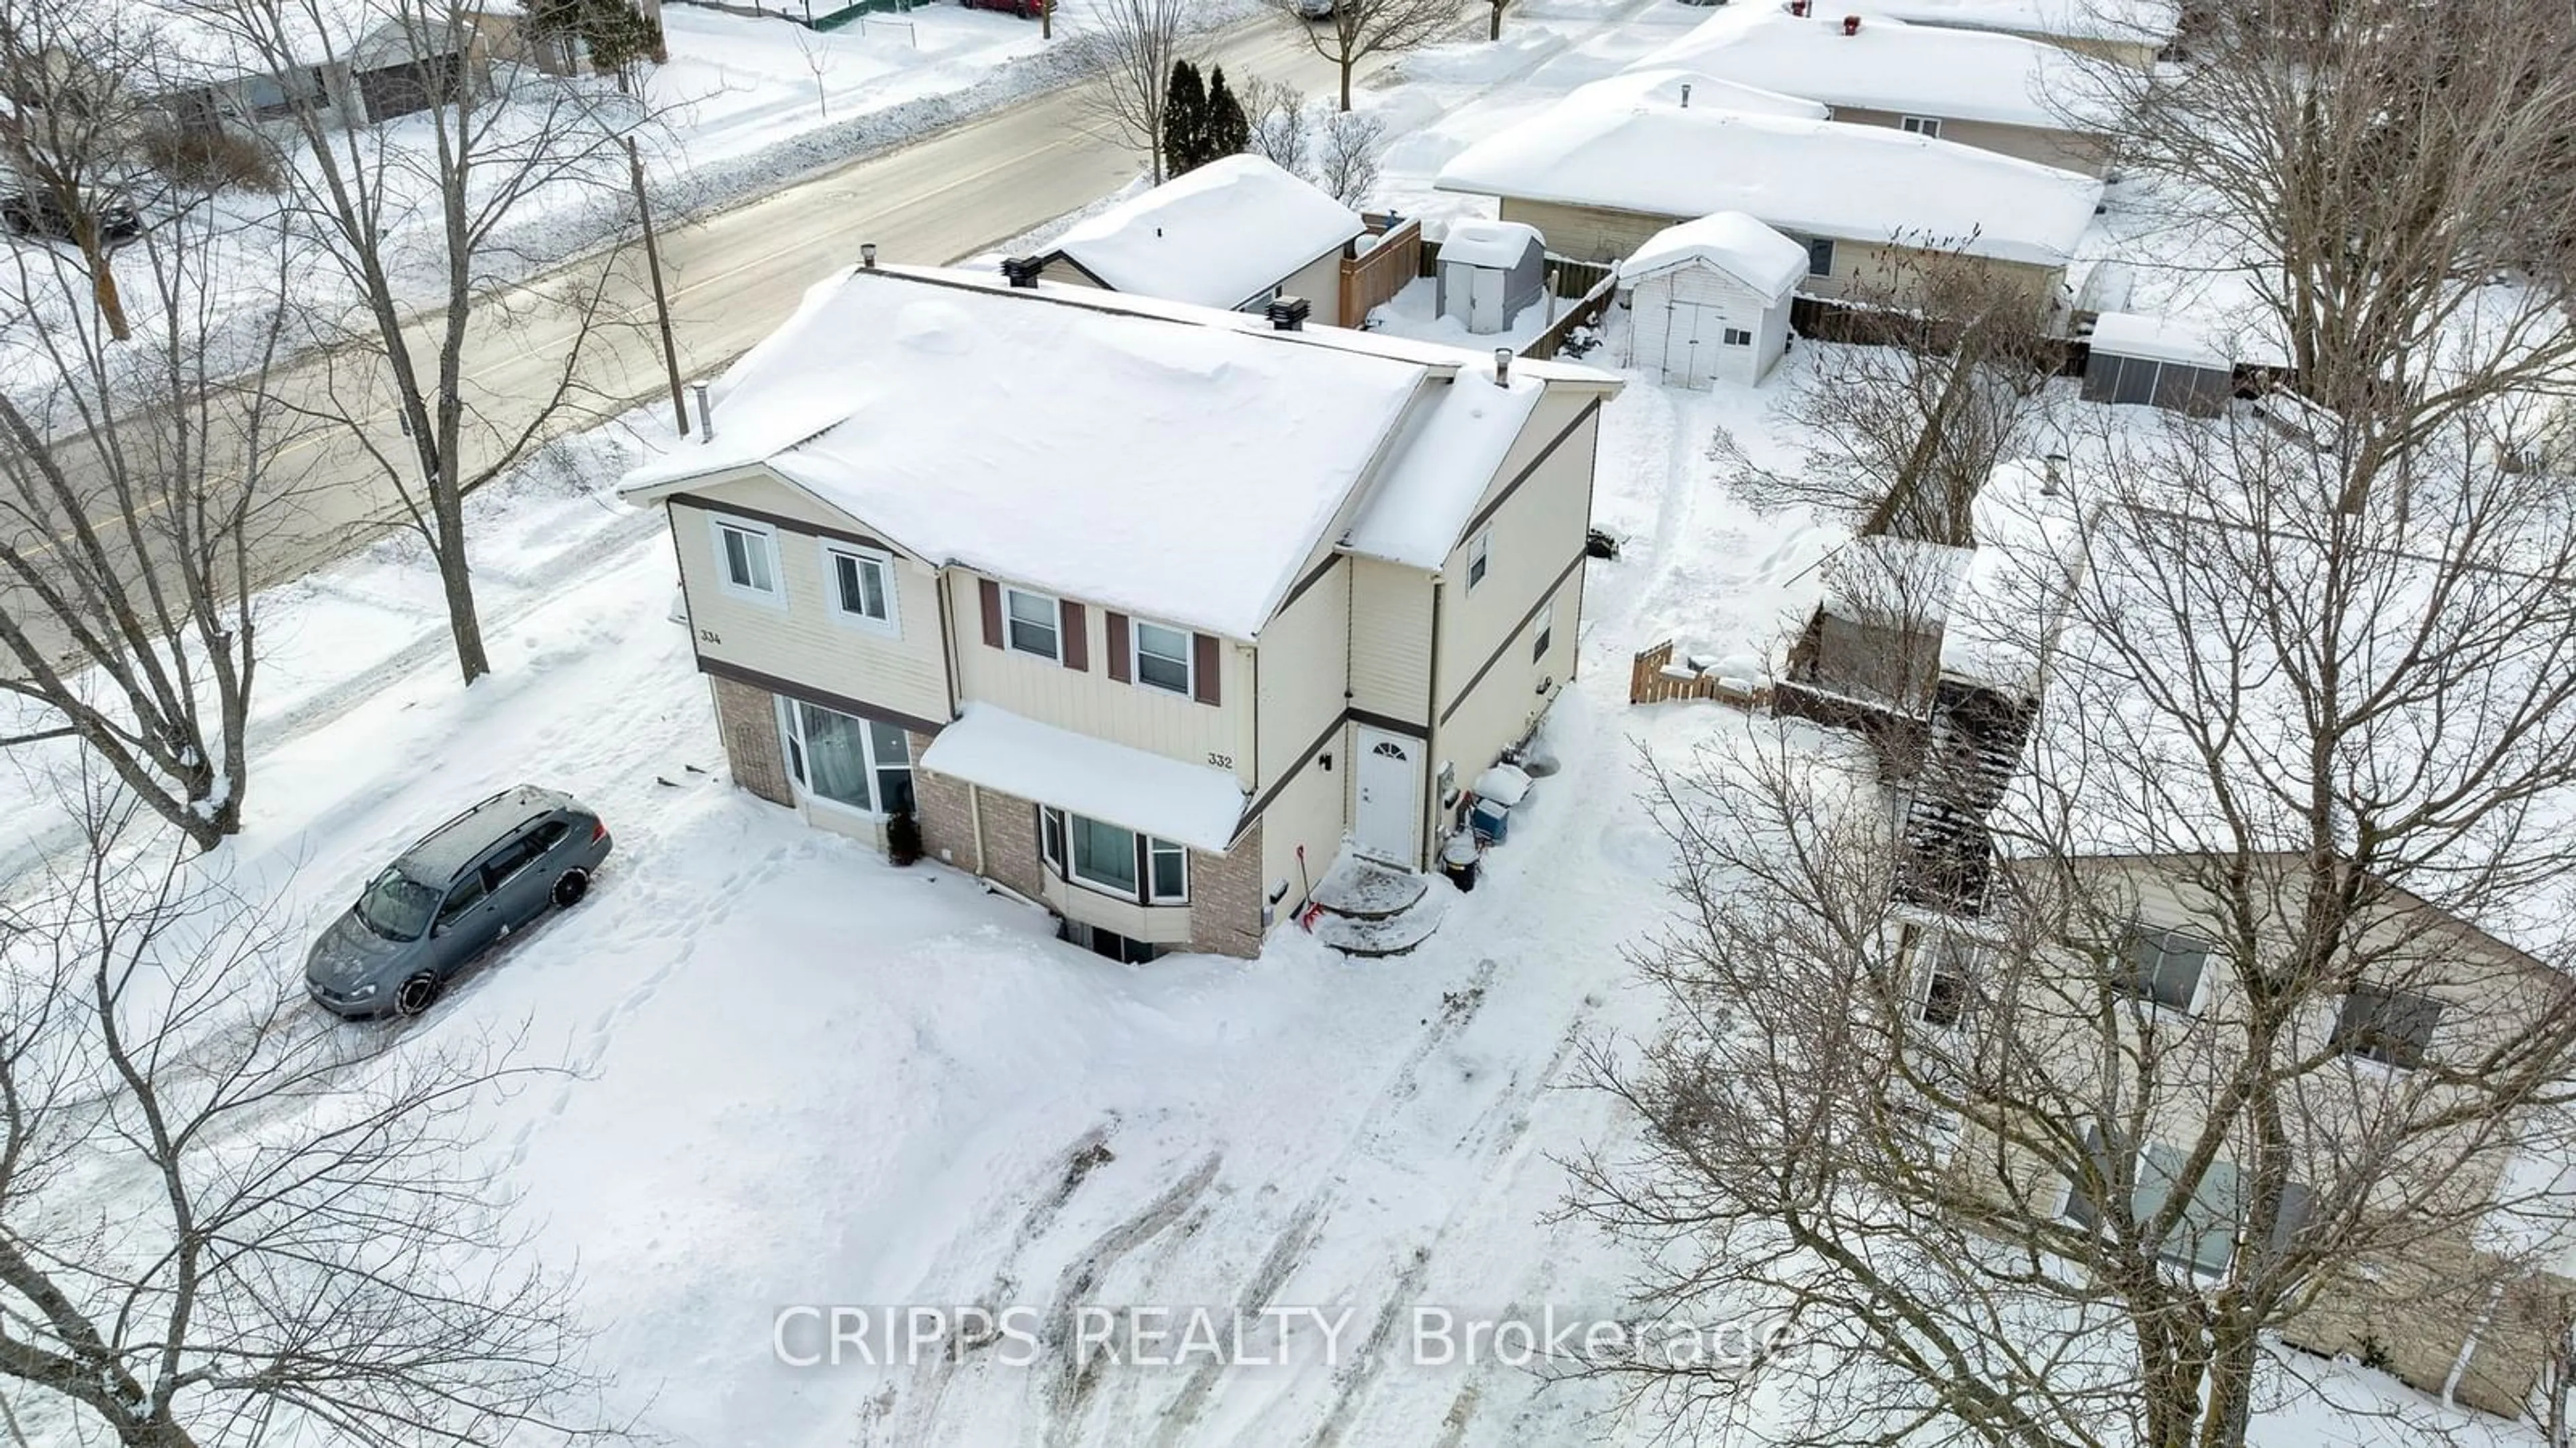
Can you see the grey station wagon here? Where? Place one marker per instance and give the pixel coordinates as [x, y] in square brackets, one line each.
[472, 880]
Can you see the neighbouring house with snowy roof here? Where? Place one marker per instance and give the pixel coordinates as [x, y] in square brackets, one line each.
[1143, 609]
[1235, 233]
[351, 62]
[1603, 170]
[2156, 361]
[1985, 89]
[1708, 300]
[2132, 32]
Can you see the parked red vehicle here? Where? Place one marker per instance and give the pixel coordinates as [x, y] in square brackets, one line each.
[1025, 9]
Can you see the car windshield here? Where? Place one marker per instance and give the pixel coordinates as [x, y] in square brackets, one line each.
[396, 906]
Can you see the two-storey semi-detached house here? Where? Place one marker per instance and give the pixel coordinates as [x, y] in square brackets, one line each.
[1142, 609]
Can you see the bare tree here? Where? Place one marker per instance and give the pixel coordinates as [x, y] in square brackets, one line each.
[2372, 165]
[1494, 25]
[227, 1221]
[1126, 53]
[425, 230]
[2244, 992]
[71, 127]
[143, 481]
[818, 57]
[1358, 29]
[1277, 111]
[1346, 164]
[1930, 378]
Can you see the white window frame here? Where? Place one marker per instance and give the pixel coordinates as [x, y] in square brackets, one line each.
[1543, 636]
[1136, 657]
[1154, 894]
[1928, 127]
[1480, 557]
[1736, 337]
[1059, 859]
[2146, 1000]
[833, 553]
[793, 747]
[1055, 623]
[1933, 950]
[774, 596]
[2355, 1051]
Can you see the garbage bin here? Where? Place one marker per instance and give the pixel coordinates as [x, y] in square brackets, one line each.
[1490, 820]
[1458, 860]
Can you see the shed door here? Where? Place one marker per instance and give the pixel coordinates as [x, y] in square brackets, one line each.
[1485, 287]
[1691, 338]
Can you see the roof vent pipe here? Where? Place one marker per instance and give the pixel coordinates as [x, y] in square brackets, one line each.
[706, 415]
[1685, 95]
[1502, 367]
[1851, 25]
[1288, 314]
[1798, 7]
[1022, 271]
[868, 255]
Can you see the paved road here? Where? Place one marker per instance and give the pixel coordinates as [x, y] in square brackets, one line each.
[735, 275]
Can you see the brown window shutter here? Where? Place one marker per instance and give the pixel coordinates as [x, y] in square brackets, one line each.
[1203, 667]
[1077, 642]
[1116, 625]
[992, 613]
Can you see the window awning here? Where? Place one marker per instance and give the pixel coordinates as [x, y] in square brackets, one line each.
[1189, 804]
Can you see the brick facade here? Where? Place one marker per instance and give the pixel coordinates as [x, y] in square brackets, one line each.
[1011, 843]
[945, 812]
[748, 720]
[1225, 898]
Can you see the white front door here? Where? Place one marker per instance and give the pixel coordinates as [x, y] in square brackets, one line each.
[1388, 817]
[1485, 300]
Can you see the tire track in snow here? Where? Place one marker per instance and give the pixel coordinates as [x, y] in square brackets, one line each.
[1068, 1389]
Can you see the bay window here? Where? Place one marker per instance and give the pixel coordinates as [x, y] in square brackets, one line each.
[1113, 860]
[861, 764]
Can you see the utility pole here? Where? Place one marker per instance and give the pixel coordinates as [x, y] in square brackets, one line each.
[661, 302]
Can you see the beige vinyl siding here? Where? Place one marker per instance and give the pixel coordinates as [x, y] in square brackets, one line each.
[1586, 233]
[1158, 924]
[761, 491]
[1320, 283]
[1534, 535]
[1878, 267]
[2068, 150]
[1302, 664]
[1390, 640]
[803, 642]
[1088, 701]
[1062, 270]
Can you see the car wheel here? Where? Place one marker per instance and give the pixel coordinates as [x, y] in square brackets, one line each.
[416, 994]
[570, 887]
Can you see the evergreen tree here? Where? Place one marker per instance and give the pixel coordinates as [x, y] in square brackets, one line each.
[1185, 121]
[1228, 131]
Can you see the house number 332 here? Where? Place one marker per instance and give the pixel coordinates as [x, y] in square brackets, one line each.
[1221, 761]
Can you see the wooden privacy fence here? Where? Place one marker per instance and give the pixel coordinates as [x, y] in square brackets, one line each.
[1372, 277]
[1583, 313]
[1653, 678]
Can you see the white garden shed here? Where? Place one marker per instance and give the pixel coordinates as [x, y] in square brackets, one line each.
[1708, 300]
[1489, 272]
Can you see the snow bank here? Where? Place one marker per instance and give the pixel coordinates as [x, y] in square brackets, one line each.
[1732, 242]
[1189, 804]
[1218, 236]
[2160, 339]
[1815, 178]
[1888, 65]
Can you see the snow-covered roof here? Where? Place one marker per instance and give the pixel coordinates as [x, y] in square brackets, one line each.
[1889, 65]
[1170, 799]
[1809, 177]
[2150, 22]
[1731, 241]
[1878, 578]
[2011, 603]
[2160, 339]
[1418, 510]
[1674, 85]
[1218, 236]
[1169, 460]
[1482, 242]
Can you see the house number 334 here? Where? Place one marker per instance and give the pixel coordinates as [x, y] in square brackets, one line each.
[1221, 761]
